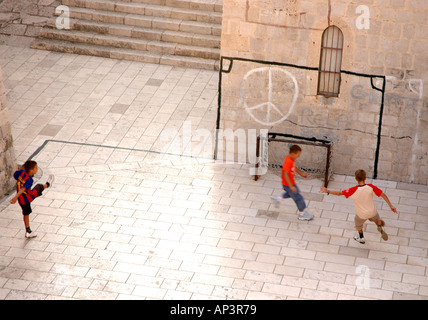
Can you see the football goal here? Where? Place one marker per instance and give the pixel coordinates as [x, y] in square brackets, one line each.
[315, 160]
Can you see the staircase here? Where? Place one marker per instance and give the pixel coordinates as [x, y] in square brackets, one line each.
[183, 33]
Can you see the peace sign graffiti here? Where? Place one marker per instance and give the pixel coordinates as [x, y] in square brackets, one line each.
[269, 94]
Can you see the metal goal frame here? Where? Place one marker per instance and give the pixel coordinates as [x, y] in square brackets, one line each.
[289, 138]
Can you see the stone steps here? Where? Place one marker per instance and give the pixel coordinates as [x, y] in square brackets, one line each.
[182, 36]
[164, 11]
[156, 31]
[204, 5]
[126, 54]
[152, 27]
[154, 46]
[134, 20]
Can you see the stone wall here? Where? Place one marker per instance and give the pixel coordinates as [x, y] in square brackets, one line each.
[384, 42]
[7, 155]
[22, 20]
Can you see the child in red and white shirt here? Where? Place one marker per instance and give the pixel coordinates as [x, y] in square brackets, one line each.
[365, 208]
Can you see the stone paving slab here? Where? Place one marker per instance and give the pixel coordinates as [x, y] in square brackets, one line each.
[126, 221]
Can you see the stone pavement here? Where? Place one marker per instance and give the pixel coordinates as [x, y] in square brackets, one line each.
[126, 221]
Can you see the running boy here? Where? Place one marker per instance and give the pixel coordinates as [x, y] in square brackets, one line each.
[25, 195]
[365, 208]
[289, 185]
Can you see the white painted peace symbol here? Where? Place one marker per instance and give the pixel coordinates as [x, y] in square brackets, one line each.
[271, 108]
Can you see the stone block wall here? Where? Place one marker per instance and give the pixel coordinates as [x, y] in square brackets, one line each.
[384, 44]
[22, 20]
[7, 155]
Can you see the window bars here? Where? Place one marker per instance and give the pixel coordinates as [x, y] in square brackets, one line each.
[330, 62]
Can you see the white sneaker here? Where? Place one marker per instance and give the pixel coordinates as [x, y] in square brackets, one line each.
[276, 201]
[360, 240]
[29, 235]
[305, 216]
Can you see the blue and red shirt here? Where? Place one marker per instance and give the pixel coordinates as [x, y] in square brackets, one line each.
[23, 180]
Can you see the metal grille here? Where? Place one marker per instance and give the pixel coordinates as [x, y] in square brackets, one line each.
[330, 62]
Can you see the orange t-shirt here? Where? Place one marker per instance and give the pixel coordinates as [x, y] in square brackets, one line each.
[289, 165]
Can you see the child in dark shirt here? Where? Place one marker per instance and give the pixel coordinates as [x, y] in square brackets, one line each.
[25, 195]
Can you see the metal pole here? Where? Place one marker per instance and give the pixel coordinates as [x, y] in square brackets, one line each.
[256, 177]
[327, 168]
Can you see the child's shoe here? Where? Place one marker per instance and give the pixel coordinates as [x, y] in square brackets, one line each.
[276, 201]
[31, 234]
[360, 240]
[382, 233]
[305, 216]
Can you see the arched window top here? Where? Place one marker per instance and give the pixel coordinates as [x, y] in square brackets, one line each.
[330, 62]
[332, 38]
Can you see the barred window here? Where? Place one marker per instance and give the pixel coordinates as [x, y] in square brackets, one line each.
[330, 62]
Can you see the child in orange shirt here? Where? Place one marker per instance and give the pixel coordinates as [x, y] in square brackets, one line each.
[289, 185]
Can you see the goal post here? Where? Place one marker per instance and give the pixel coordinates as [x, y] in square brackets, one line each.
[316, 161]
